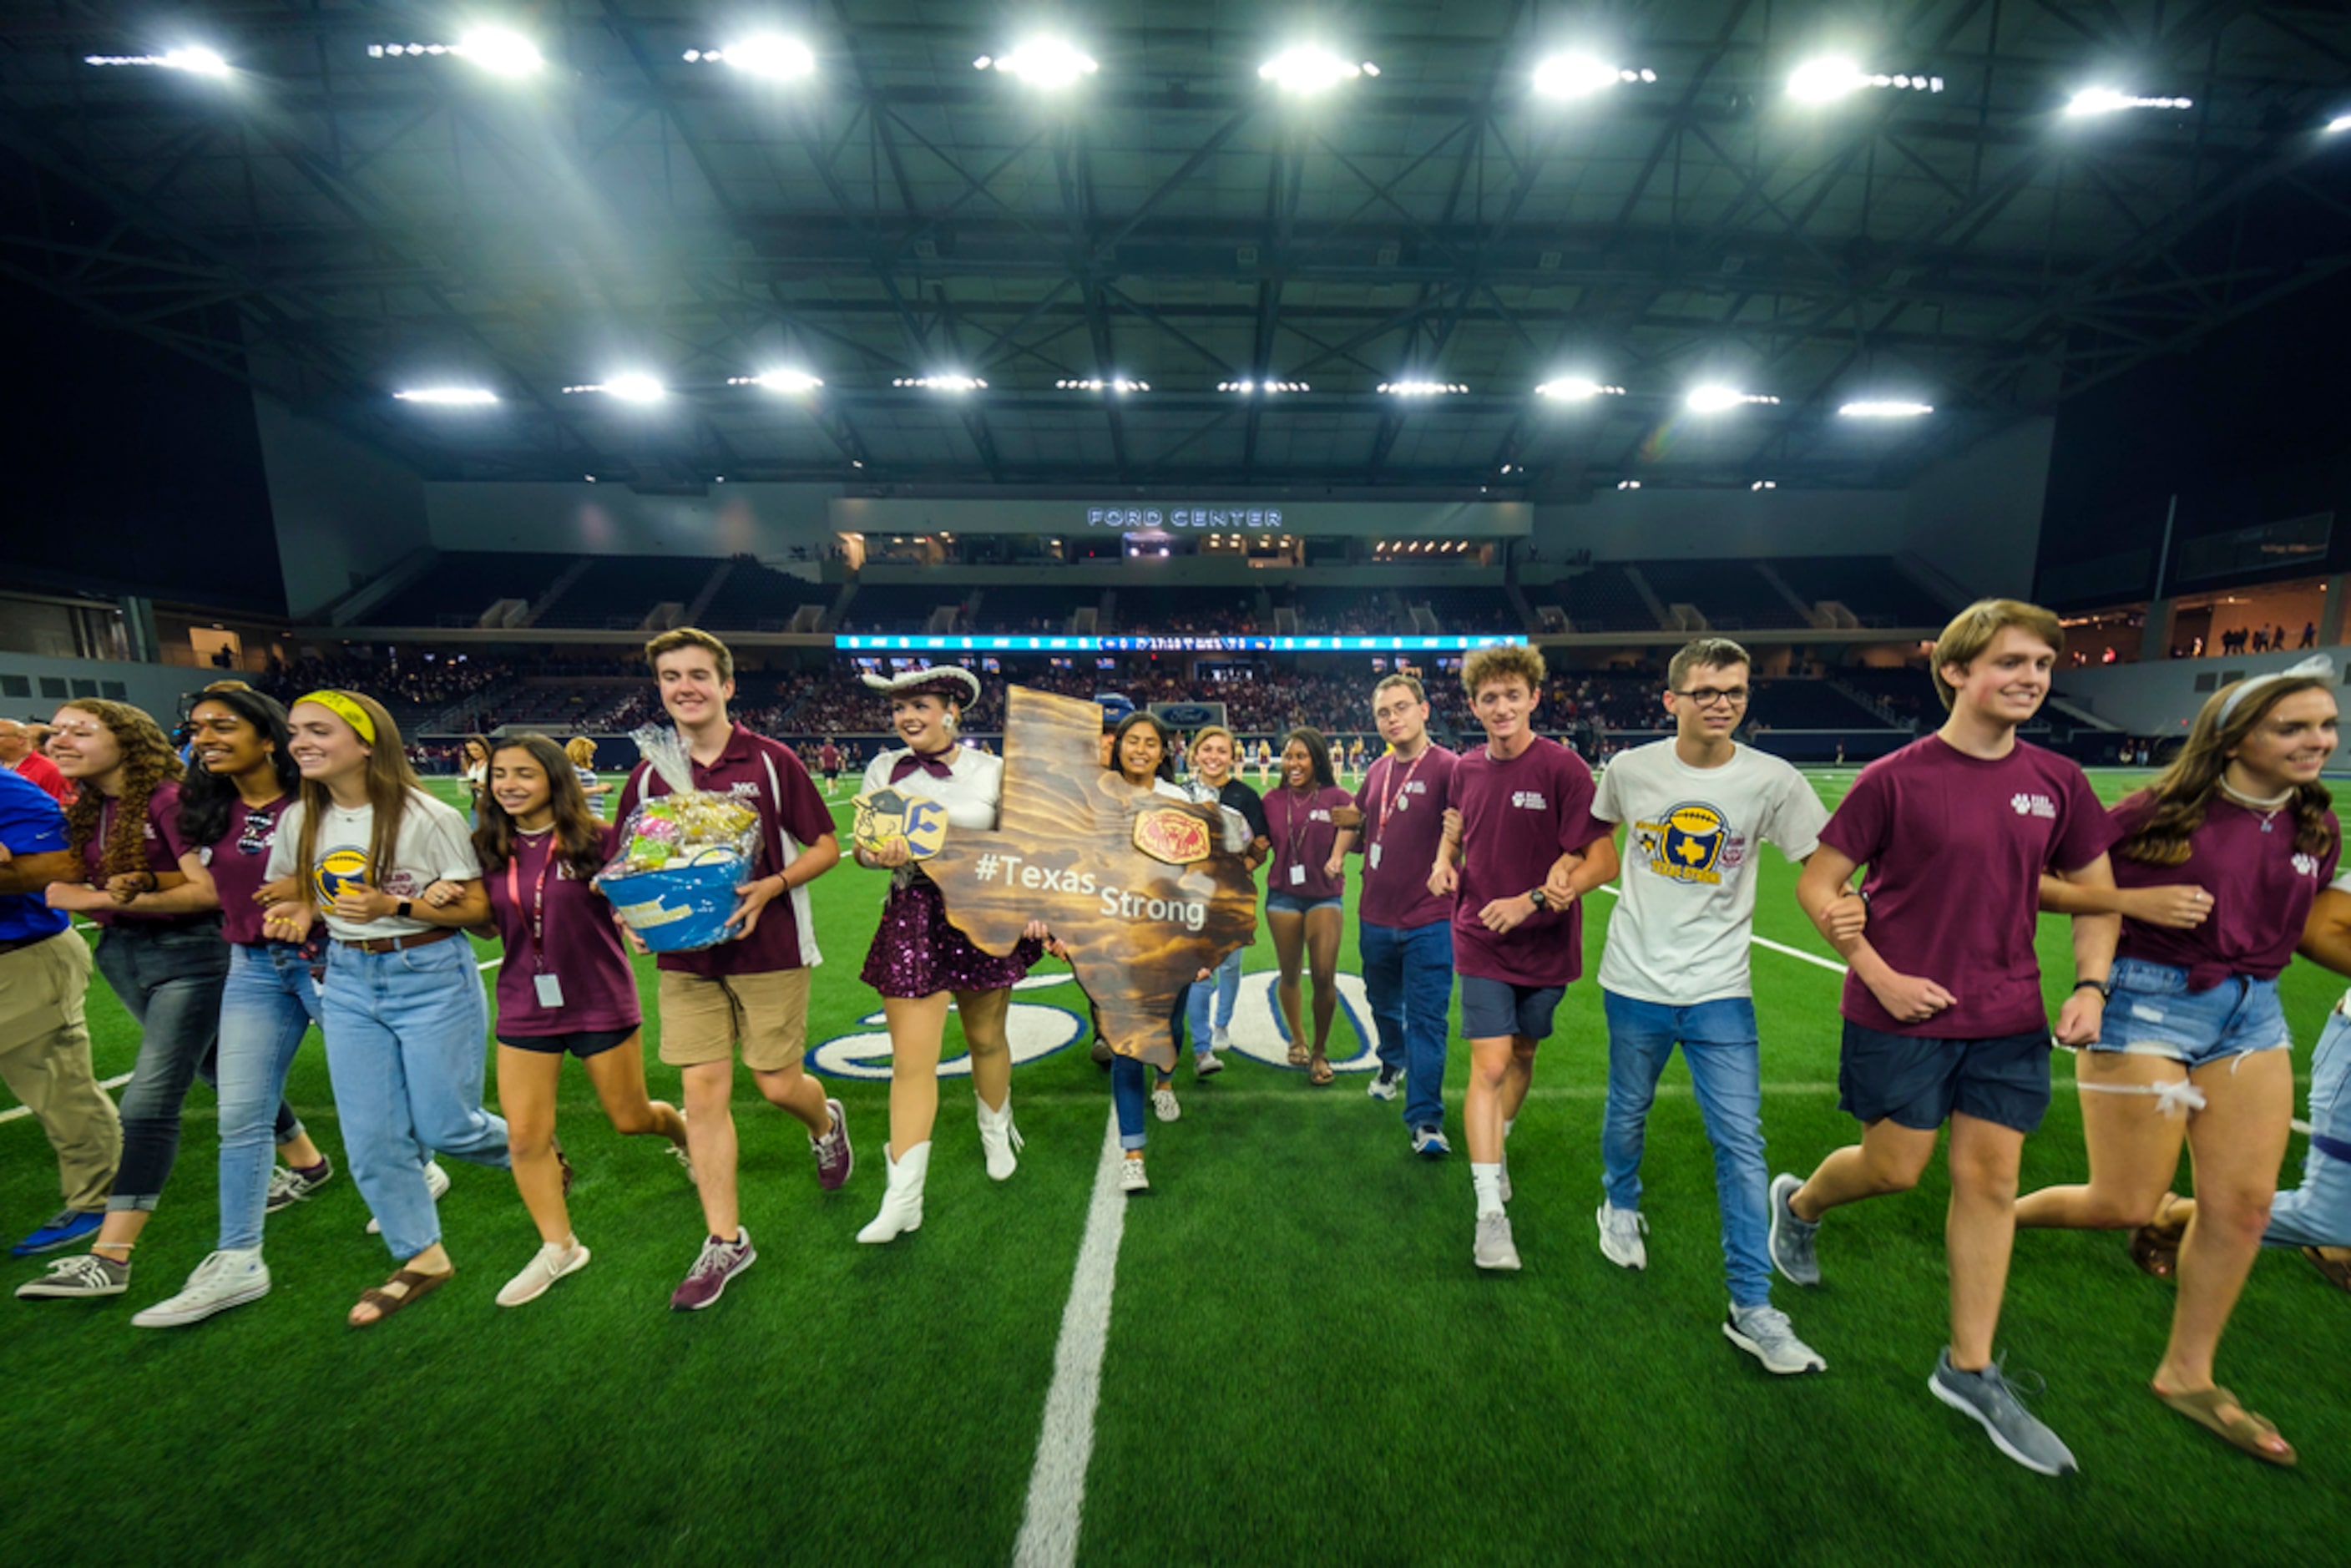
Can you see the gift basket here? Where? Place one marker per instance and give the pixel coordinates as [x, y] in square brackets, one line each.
[681, 854]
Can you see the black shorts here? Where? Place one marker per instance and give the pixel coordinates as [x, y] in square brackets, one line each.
[580, 1042]
[1918, 1083]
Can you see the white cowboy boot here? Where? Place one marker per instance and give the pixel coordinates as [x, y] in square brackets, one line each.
[902, 1205]
[998, 1138]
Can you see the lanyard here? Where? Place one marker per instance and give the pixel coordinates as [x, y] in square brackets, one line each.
[537, 904]
[1297, 821]
[1381, 797]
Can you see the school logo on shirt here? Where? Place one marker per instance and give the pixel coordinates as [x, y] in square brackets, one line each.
[2028, 804]
[1529, 801]
[1691, 845]
[346, 866]
[2305, 865]
[749, 788]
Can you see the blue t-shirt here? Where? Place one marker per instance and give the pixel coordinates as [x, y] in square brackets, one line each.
[30, 824]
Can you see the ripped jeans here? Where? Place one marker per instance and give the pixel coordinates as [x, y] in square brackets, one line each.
[2153, 1013]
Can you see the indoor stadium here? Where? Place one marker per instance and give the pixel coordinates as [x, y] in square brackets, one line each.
[614, 607]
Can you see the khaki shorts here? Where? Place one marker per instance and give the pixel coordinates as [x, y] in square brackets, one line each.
[701, 1019]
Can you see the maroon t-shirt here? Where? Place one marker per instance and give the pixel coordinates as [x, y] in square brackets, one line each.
[1955, 846]
[1517, 818]
[829, 758]
[580, 947]
[1302, 834]
[1403, 819]
[239, 861]
[765, 773]
[163, 843]
[2261, 889]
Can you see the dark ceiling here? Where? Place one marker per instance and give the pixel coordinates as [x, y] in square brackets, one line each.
[333, 226]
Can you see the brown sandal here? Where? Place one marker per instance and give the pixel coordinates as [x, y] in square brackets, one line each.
[1300, 1053]
[2338, 1271]
[2247, 1431]
[414, 1285]
[1320, 1074]
[2154, 1248]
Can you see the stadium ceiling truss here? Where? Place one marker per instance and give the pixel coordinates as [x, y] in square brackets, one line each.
[330, 226]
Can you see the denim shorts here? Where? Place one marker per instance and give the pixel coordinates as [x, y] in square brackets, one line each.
[2153, 1013]
[1493, 1008]
[1917, 1082]
[1291, 904]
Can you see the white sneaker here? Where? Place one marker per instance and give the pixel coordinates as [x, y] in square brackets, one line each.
[550, 1263]
[436, 1183]
[1131, 1178]
[1765, 1333]
[1494, 1247]
[1505, 1175]
[1164, 1106]
[222, 1281]
[1384, 1085]
[1220, 1039]
[1621, 1230]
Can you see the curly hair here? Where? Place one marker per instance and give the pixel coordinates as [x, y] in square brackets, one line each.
[148, 762]
[2174, 805]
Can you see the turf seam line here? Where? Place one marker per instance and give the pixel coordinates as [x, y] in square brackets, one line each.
[19, 1112]
[1065, 1447]
[1813, 958]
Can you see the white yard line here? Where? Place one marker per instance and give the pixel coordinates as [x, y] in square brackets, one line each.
[18, 1112]
[1813, 958]
[1065, 1448]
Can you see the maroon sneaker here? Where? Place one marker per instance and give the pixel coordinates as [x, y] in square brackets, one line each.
[707, 1280]
[835, 1159]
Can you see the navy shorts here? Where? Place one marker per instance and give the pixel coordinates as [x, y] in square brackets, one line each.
[1918, 1083]
[580, 1042]
[1492, 1008]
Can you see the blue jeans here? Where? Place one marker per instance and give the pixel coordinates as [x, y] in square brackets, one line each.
[1719, 1041]
[1130, 1080]
[268, 1004]
[1224, 988]
[407, 1035]
[1408, 978]
[167, 975]
[2318, 1212]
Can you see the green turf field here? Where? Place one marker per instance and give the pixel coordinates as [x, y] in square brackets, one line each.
[1301, 1363]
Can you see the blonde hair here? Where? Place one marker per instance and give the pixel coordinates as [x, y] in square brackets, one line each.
[1706, 654]
[678, 637]
[1485, 665]
[1971, 630]
[391, 783]
[579, 750]
[1207, 731]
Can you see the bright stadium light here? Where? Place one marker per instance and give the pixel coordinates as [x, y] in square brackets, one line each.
[948, 384]
[1887, 410]
[628, 389]
[1628, 484]
[769, 55]
[1114, 384]
[1424, 389]
[779, 381]
[2339, 123]
[1832, 77]
[1268, 387]
[2096, 100]
[500, 52]
[1764, 485]
[194, 60]
[449, 397]
[1048, 63]
[1575, 389]
[1311, 69]
[1714, 399]
[1572, 74]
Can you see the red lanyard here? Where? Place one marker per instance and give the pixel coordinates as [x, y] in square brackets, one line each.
[537, 903]
[1292, 832]
[1380, 796]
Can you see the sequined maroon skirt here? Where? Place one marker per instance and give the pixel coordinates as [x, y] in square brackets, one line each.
[917, 953]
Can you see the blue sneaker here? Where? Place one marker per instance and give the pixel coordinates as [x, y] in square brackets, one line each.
[1429, 1143]
[63, 1228]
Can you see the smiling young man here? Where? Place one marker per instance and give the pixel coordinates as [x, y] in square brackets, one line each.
[1523, 825]
[1697, 809]
[1943, 1016]
[1406, 935]
[754, 987]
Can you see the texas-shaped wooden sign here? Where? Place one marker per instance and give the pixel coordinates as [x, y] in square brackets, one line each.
[1137, 886]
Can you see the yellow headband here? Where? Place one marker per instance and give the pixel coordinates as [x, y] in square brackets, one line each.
[341, 705]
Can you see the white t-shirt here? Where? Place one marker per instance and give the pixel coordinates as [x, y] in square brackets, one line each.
[435, 846]
[1679, 932]
[969, 792]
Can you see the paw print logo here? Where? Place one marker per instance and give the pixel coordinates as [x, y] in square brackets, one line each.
[2305, 865]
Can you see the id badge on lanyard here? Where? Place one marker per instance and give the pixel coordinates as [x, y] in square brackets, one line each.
[546, 986]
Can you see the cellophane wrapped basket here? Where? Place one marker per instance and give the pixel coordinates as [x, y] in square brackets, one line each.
[681, 854]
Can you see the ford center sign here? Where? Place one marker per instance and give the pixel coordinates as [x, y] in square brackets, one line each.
[1144, 519]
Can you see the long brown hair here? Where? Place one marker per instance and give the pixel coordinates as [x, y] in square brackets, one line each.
[578, 834]
[2180, 795]
[148, 762]
[391, 784]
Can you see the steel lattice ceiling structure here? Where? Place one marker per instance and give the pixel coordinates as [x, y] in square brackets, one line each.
[331, 225]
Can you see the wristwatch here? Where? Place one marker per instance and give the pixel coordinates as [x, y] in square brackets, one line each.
[1538, 900]
[407, 910]
[2104, 988]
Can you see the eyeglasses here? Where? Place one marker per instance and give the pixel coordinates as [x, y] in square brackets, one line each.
[1706, 697]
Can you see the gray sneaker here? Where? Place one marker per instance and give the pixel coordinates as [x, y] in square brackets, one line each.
[1792, 1239]
[1621, 1230]
[1986, 1399]
[288, 1186]
[79, 1278]
[1765, 1333]
[1494, 1249]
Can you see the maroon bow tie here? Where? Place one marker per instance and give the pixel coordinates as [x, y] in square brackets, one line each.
[934, 763]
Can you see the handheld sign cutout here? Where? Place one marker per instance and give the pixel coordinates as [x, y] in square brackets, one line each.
[1135, 885]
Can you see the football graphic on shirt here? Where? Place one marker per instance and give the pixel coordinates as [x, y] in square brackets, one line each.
[1687, 845]
[339, 869]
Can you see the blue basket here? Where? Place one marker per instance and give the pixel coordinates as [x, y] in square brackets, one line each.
[678, 908]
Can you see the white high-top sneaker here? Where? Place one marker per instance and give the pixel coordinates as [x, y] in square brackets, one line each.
[1000, 1140]
[901, 1204]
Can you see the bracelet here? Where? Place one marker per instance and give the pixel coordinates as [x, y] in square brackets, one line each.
[2105, 988]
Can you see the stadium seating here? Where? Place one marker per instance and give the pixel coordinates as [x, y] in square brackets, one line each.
[1604, 600]
[1142, 610]
[618, 591]
[756, 597]
[459, 587]
[1468, 609]
[900, 607]
[1732, 595]
[1808, 704]
[1020, 607]
[1877, 591]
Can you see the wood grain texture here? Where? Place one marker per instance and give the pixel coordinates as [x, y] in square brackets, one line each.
[1062, 851]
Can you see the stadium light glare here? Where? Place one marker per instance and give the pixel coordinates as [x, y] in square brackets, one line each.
[628, 389]
[2339, 123]
[1310, 68]
[1048, 63]
[790, 381]
[769, 55]
[1887, 410]
[1832, 77]
[946, 384]
[448, 397]
[1424, 389]
[194, 60]
[1576, 389]
[2091, 101]
[1267, 387]
[1714, 399]
[1113, 385]
[1764, 485]
[500, 52]
[1628, 484]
